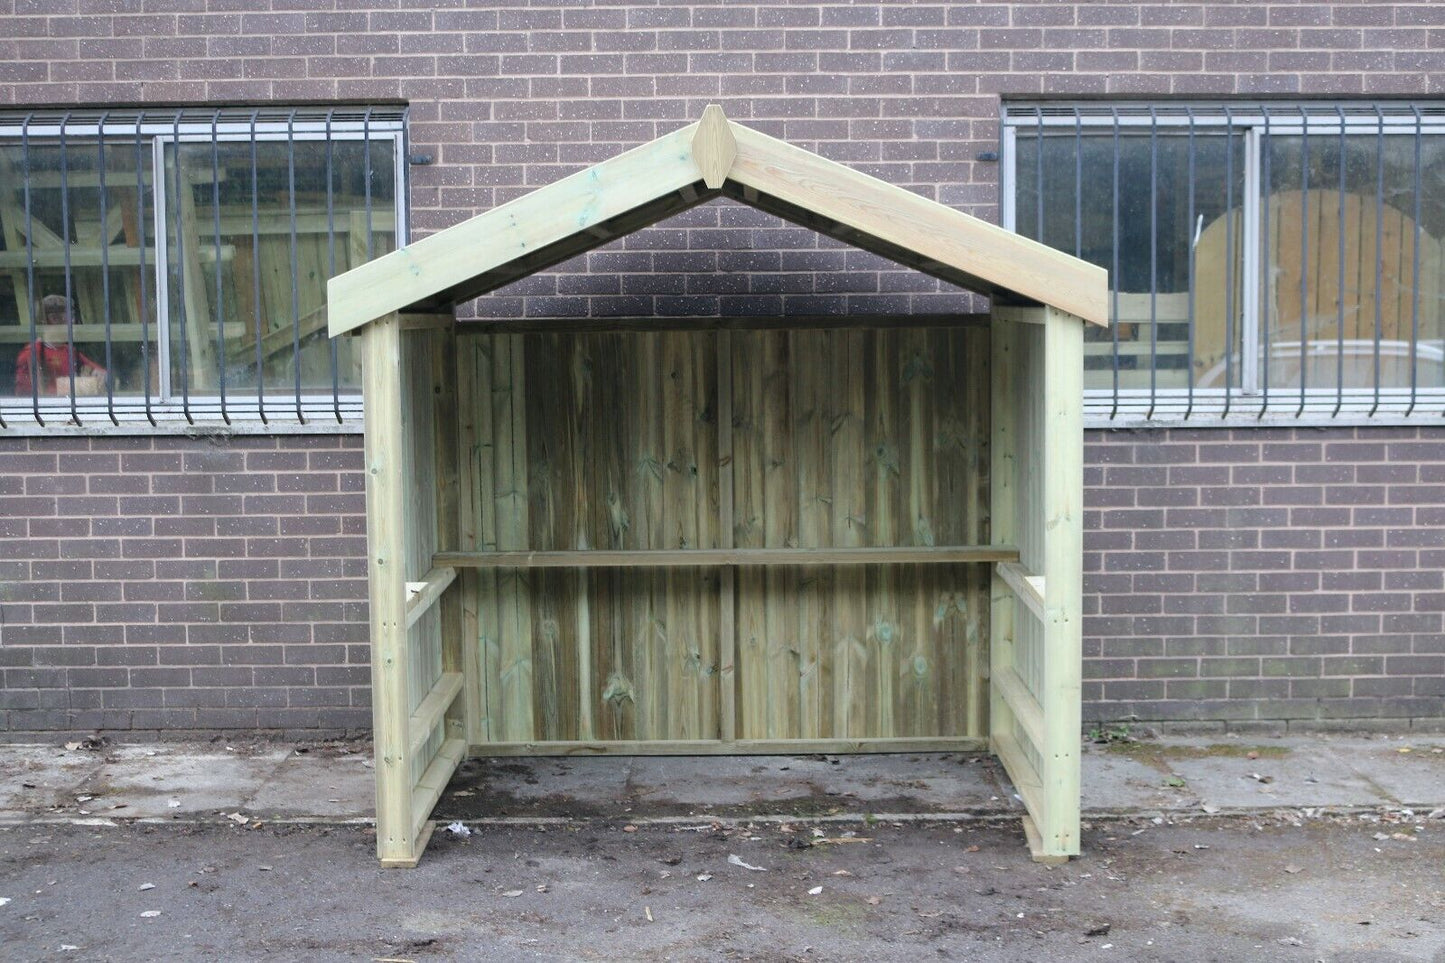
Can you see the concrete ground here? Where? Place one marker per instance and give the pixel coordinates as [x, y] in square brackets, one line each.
[1288, 848]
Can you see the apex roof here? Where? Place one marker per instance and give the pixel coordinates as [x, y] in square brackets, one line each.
[711, 158]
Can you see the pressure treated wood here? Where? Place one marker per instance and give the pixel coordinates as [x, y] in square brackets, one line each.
[1037, 502]
[526, 227]
[849, 477]
[734, 558]
[385, 515]
[717, 747]
[422, 595]
[1028, 588]
[872, 214]
[661, 178]
[730, 536]
[742, 322]
[432, 710]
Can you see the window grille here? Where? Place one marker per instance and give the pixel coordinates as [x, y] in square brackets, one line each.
[1267, 261]
[165, 269]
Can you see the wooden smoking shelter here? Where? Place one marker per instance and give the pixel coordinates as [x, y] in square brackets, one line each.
[738, 535]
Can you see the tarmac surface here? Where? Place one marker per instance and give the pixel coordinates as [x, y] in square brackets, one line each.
[1194, 849]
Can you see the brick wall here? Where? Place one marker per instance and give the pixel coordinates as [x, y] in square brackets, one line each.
[1265, 574]
[182, 584]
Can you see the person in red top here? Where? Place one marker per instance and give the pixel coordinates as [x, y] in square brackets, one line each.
[54, 363]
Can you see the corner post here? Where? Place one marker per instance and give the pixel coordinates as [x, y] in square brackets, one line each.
[386, 546]
[1063, 579]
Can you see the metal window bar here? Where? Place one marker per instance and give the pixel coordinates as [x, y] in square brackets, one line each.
[105, 274]
[33, 305]
[331, 259]
[1263, 252]
[295, 273]
[175, 262]
[1304, 272]
[1340, 293]
[67, 242]
[1078, 185]
[1229, 260]
[1114, 285]
[1379, 250]
[1039, 182]
[1370, 383]
[1153, 263]
[1194, 231]
[73, 150]
[145, 345]
[220, 309]
[1415, 270]
[256, 273]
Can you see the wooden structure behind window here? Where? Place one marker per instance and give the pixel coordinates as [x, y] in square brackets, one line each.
[1328, 271]
[668, 536]
[257, 249]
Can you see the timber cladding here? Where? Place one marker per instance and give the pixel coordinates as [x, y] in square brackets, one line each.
[731, 441]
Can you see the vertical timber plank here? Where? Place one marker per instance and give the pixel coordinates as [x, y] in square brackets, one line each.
[1003, 507]
[887, 484]
[445, 418]
[474, 421]
[579, 440]
[779, 510]
[809, 426]
[849, 652]
[747, 524]
[727, 612]
[509, 492]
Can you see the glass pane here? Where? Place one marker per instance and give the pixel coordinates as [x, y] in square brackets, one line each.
[246, 281]
[1148, 242]
[1341, 236]
[108, 243]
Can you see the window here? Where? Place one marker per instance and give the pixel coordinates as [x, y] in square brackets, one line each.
[1265, 260]
[164, 266]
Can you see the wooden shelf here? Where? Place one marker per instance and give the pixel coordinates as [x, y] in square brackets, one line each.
[730, 557]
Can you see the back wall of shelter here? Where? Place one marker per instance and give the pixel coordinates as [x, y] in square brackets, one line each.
[1231, 575]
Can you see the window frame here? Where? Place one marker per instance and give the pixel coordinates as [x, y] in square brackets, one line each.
[1250, 401]
[168, 408]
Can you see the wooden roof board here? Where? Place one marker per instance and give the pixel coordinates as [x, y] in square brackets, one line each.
[659, 209]
[992, 259]
[691, 166]
[448, 259]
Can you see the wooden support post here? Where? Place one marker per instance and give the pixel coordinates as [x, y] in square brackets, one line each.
[396, 839]
[1062, 521]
